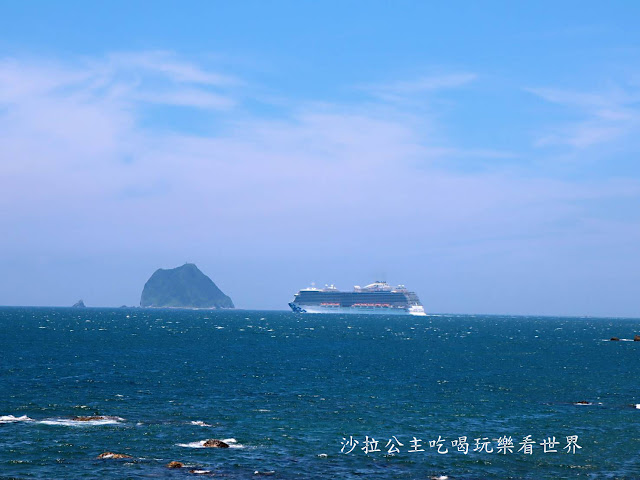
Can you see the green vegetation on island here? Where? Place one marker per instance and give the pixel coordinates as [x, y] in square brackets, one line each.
[183, 287]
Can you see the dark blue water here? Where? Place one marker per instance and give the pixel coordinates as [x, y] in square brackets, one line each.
[288, 389]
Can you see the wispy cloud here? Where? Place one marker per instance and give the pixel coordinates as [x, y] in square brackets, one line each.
[188, 97]
[90, 139]
[169, 65]
[606, 116]
[397, 91]
[150, 77]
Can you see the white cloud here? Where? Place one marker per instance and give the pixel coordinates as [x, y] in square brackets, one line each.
[188, 98]
[606, 117]
[399, 91]
[168, 65]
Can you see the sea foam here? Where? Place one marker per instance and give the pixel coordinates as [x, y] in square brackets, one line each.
[70, 422]
[200, 423]
[12, 419]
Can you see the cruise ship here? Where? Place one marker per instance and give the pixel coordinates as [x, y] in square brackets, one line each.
[376, 298]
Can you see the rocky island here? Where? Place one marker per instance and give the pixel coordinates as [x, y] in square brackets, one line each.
[183, 287]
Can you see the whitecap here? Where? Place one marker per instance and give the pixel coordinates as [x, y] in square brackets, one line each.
[200, 472]
[638, 406]
[200, 423]
[13, 419]
[323, 455]
[199, 444]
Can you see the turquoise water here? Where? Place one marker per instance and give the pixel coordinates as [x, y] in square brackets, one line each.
[285, 390]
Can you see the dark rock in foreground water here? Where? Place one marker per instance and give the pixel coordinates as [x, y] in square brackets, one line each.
[175, 464]
[615, 339]
[636, 338]
[213, 443]
[183, 287]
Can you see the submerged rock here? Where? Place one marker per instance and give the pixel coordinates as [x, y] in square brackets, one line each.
[92, 418]
[636, 338]
[113, 455]
[582, 402]
[615, 339]
[175, 464]
[214, 443]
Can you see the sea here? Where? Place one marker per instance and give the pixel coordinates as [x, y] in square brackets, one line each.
[316, 396]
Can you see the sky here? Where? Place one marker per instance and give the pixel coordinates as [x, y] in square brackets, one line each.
[485, 154]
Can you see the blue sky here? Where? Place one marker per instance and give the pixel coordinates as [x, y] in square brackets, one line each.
[483, 153]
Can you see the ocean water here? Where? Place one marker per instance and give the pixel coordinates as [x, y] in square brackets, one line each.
[292, 394]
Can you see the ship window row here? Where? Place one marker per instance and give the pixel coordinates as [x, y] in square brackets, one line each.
[373, 297]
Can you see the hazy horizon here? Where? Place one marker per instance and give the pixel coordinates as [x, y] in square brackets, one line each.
[483, 155]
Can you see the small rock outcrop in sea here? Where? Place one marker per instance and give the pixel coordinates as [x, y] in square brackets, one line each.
[113, 455]
[582, 402]
[213, 443]
[92, 418]
[79, 304]
[615, 339]
[175, 464]
[636, 338]
[183, 287]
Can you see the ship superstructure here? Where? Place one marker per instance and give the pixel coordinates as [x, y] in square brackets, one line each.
[376, 298]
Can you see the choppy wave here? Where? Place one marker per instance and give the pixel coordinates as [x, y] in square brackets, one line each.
[232, 442]
[12, 419]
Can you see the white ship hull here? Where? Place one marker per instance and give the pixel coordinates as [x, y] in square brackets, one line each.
[414, 310]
